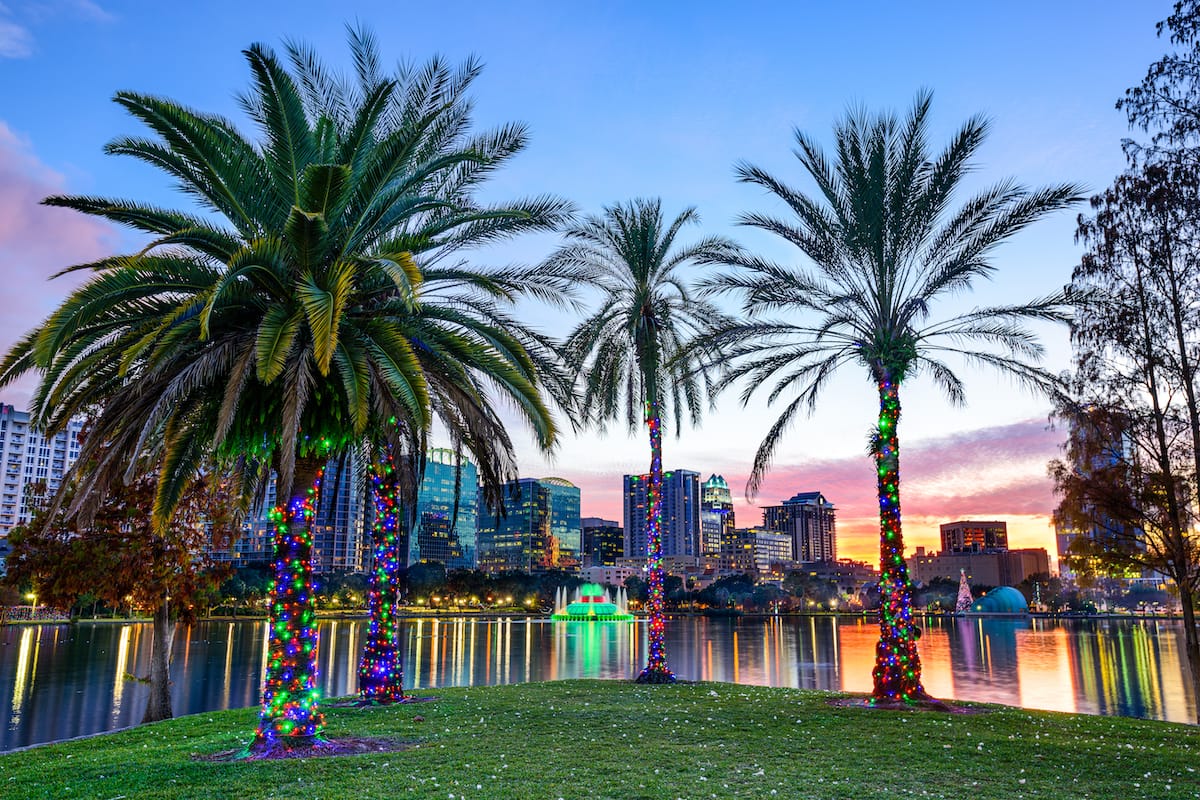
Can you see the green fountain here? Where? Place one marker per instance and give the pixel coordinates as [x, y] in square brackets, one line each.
[592, 603]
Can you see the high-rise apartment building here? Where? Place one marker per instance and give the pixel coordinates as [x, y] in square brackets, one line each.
[603, 542]
[680, 513]
[965, 536]
[811, 521]
[447, 505]
[769, 551]
[26, 458]
[341, 532]
[341, 538]
[540, 529]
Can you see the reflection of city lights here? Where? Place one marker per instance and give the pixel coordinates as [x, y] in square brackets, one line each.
[23, 661]
[1136, 668]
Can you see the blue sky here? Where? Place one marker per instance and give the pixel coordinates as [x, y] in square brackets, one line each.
[638, 99]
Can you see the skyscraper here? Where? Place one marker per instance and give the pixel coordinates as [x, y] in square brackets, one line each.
[680, 513]
[603, 542]
[27, 457]
[440, 532]
[340, 529]
[811, 521]
[717, 535]
[540, 529]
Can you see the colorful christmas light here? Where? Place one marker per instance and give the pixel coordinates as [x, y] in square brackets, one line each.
[290, 712]
[656, 662]
[897, 671]
[381, 669]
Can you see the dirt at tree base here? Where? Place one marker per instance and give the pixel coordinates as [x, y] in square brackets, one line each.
[322, 748]
[929, 704]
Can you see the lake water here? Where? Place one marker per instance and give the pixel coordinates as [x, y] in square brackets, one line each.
[58, 681]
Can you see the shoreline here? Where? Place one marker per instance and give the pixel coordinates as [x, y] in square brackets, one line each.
[503, 615]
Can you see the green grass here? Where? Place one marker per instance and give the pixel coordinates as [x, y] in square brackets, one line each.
[599, 739]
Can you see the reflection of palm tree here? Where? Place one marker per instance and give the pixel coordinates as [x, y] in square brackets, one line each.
[634, 352]
[884, 246]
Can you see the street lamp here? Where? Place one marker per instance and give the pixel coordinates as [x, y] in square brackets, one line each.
[32, 598]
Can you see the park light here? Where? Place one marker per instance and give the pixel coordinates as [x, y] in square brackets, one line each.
[32, 598]
[528, 601]
[508, 599]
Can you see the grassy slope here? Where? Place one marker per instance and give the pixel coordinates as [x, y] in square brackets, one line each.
[593, 739]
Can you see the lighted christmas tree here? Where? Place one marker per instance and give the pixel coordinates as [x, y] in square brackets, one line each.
[964, 593]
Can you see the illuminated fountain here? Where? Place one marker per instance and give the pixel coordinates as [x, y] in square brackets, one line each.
[592, 603]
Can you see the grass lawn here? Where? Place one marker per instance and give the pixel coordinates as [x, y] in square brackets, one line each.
[600, 739]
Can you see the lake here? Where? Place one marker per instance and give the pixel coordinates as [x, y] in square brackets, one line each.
[59, 681]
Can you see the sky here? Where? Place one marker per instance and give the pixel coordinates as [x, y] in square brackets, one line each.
[628, 100]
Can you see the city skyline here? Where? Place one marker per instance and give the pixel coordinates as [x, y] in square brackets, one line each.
[614, 120]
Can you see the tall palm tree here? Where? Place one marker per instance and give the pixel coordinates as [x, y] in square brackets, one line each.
[287, 323]
[447, 221]
[883, 246]
[634, 355]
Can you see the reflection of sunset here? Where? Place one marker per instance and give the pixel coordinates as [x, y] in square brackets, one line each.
[1044, 669]
[857, 655]
[935, 661]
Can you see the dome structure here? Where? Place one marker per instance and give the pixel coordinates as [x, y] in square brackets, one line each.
[559, 482]
[1001, 600]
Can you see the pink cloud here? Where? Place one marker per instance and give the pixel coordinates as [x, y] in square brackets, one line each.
[989, 473]
[36, 242]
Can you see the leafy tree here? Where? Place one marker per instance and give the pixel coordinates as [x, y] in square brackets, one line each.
[939, 594]
[1044, 588]
[1166, 103]
[425, 577]
[120, 557]
[883, 246]
[1129, 475]
[634, 355]
[289, 322]
[807, 587]
[636, 588]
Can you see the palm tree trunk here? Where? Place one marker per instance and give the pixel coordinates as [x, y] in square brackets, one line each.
[897, 671]
[381, 669]
[656, 661]
[158, 707]
[290, 714]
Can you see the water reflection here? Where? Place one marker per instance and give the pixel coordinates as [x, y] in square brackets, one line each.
[68, 680]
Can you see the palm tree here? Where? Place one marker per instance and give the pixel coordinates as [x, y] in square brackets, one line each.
[883, 246]
[288, 323]
[634, 355]
[456, 296]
